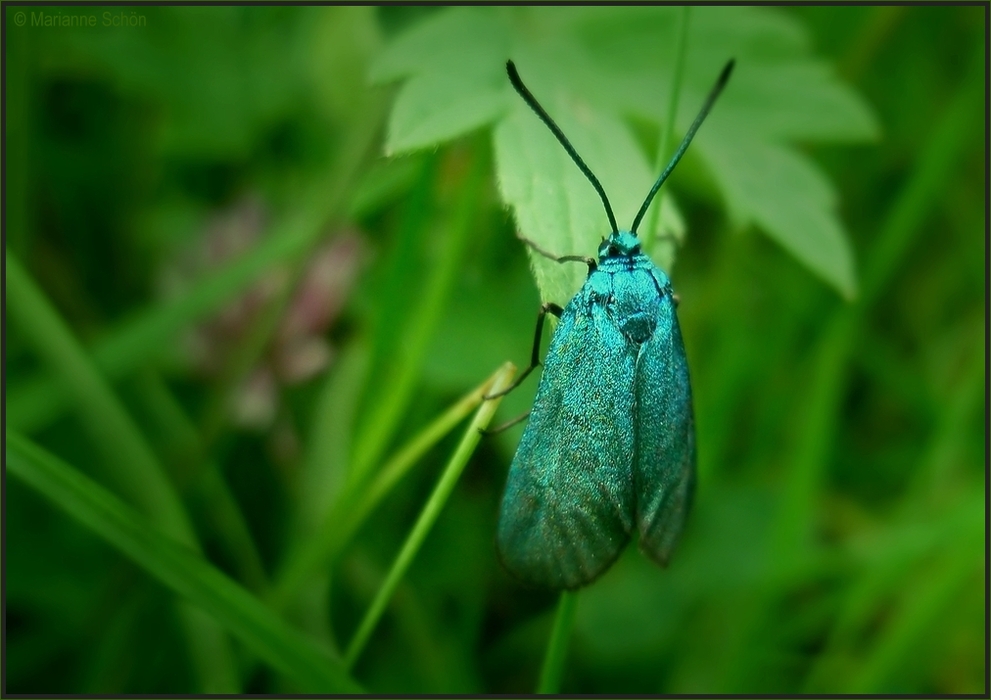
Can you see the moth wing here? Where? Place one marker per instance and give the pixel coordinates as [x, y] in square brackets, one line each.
[568, 507]
[664, 468]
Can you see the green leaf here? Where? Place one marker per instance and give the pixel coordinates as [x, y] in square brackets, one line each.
[801, 221]
[178, 567]
[445, 38]
[434, 108]
[777, 89]
[446, 96]
[591, 67]
[344, 39]
[555, 205]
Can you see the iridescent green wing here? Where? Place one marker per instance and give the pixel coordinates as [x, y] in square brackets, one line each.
[664, 466]
[568, 506]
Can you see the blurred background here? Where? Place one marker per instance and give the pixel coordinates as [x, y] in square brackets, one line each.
[228, 298]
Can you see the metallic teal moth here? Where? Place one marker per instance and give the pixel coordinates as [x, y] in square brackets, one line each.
[610, 444]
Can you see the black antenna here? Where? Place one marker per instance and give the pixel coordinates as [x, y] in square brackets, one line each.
[514, 78]
[703, 113]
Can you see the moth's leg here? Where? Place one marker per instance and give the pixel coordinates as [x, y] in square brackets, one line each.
[505, 426]
[561, 258]
[676, 299]
[545, 308]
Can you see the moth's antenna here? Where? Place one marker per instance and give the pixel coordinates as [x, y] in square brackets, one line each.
[528, 97]
[703, 113]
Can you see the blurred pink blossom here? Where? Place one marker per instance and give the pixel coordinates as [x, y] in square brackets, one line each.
[299, 348]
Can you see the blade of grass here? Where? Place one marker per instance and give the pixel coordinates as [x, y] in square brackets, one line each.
[178, 567]
[329, 440]
[401, 377]
[922, 604]
[326, 203]
[323, 470]
[209, 487]
[38, 401]
[355, 512]
[129, 462]
[107, 673]
[355, 504]
[321, 477]
[667, 133]
[552, 670]
[884, 561]
[949, 435]
[883, 577]
[819, 415]
[428, 515]
[902, 225]
[210, 650]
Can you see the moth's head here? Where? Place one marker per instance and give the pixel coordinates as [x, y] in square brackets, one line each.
[618, 244]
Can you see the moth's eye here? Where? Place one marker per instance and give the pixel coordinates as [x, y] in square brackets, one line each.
[613, 250]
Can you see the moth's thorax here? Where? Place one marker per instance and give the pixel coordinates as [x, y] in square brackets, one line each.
[627, 286]
[621, 252]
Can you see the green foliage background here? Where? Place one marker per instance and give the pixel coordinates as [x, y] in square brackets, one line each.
[830, 265]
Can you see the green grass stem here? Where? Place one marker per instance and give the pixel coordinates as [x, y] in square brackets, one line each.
[921, 605]
[552, 670]
[129, 463]
[904, 222]
[404, 372]
[40, 399]
[355, 504]
[817, 422]
[325, 205]
[428, 515]
[209, 486]
[37, 401]
[667, 132]
[330, 436]
[179, 567]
